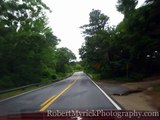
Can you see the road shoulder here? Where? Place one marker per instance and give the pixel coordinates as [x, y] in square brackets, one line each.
[128, 96]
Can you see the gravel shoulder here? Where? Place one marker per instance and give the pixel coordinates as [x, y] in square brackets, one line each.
[132, 96]
[135, 101]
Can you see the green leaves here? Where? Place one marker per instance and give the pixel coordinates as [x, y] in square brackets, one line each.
[28, 52]
[126, 7]
[133, 43]
[97, 21]
[64, 57]
[95, 51]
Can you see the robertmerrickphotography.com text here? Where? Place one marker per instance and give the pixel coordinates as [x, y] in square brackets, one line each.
[97, 113]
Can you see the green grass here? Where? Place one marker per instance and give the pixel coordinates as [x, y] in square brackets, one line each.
[16, 92]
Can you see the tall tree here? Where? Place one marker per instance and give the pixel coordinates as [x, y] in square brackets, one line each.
[64, 57]
[126, 7]
[95, 51]
[27, 44]
[97, 21]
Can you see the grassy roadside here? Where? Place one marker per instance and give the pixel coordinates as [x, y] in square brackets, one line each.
[16, 92]
[20, 91]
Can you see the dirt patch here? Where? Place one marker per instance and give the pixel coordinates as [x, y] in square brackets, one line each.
[155, 93]
[146, 98]
[136, 101]
[145, 85]
[149, 88]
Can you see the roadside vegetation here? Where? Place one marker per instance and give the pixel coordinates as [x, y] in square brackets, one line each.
[28, 47]
[16, 92]
[128, 51]
[11, 93]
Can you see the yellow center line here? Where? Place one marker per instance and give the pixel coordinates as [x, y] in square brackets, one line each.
[54, 98]
[47, 101]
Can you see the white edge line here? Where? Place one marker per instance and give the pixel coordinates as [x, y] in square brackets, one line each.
[29, 91]
[106, 95]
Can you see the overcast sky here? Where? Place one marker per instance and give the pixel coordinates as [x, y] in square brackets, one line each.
[68, 15]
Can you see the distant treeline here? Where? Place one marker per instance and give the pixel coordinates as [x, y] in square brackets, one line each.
[130, 49]
[28, 52]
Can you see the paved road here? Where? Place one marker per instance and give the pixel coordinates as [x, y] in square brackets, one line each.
[77, 92]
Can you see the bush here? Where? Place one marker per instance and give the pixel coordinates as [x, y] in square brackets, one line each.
[6, 83]
[54, 76]
[96, 76]
[137, 76]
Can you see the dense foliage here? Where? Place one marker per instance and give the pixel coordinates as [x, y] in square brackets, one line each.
[131, 49]
[28, 52]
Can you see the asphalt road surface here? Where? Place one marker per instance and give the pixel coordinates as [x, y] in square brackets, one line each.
[77, 92]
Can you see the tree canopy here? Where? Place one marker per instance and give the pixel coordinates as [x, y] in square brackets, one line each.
[126, 7]
[28, 52]
[130, 49]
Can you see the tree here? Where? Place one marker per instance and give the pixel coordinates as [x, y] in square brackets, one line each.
[140, 34]
[131, 49]
[27, 44]
[126, 7]
[97, 21]
[64, 57]
[95, 51]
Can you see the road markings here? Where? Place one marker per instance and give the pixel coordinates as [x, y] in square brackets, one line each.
[28, 92]
[52, 99]
[115, 104]
[47, 101]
